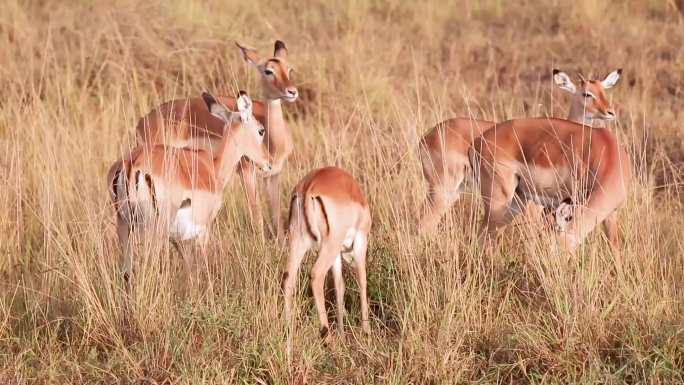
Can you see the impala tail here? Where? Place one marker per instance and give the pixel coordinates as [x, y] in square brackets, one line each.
[305, 216]
[132, 193]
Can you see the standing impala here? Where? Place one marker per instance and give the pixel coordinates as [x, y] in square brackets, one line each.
[444, 154]
[328, 211]
[187, 122]
[178, 191]
[545, 159]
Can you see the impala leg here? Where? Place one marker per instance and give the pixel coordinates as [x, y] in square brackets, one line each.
[500, 209]
[273, 196]
[329, 252]
[610, 228]
[179, 250]
[248, 177]
[123, 231]
[298, 248]
[359, 264]
[441, 196]
[202, 241]
[339, 292]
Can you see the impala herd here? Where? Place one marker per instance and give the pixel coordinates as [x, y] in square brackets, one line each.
[171, 185]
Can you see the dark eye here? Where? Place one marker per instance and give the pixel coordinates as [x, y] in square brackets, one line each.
[587, 95]
[262, 131]
[268, 71]
[569, 218]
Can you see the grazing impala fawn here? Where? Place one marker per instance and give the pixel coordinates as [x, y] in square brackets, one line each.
[444, 149]
[187, 122]
[328, 211]
[178, 191]
[543, 159]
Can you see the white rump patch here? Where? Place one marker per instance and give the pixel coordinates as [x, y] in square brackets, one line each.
[348, 245]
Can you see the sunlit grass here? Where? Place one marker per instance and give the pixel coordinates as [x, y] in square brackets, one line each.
[75, 77]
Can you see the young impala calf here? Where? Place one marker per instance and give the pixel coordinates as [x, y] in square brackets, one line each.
[542, 159]
[328, 211]
[187, 122]
[444, 149]
[556, 219]
[178, 191]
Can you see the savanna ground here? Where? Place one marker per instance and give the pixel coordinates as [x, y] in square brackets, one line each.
[374, 75]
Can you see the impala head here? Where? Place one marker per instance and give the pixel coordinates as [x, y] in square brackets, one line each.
[247, 133]
[561, 217]
[275, 72]
[589, 99]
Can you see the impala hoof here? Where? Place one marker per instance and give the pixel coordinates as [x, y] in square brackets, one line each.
[324, 332]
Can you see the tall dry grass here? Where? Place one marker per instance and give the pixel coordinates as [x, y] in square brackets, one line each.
[76, 75]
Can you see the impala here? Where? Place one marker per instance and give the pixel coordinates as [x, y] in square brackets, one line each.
[178, 191]
[444, 155]
[556, 218]
[328, 211]
[187, 122]
[543, 159]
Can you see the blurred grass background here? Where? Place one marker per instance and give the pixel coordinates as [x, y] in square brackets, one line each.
[374, 76]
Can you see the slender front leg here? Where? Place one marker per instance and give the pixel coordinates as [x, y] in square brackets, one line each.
[273, 196]
[179, 250]
[248, 176]
[123, 231]
[610, 228]
[339, 292]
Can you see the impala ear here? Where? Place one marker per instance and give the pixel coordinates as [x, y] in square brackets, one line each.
[563, 81]
[611, 79]
[248, 54]
[565, 211]
[244, 106]
[216, 108]
[279, 49]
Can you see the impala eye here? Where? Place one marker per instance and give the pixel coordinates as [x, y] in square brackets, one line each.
[262, 131]
[269, 72]
[587, 95]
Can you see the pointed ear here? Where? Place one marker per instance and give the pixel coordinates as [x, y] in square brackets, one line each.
[244, 106]
[279, 49]
[216, 108]
[563, 81]
[611, 79]
[248, 54]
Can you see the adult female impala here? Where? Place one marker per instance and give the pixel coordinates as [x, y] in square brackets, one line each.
[545, 159]
[328, 211]
[187, 122]
[178, 191]
[444, 149]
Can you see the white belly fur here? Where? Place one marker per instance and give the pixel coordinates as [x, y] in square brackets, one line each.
[183, 228]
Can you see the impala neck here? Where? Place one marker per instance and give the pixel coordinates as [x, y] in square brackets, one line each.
[228, 158]
[578, 114]
[275, 123]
